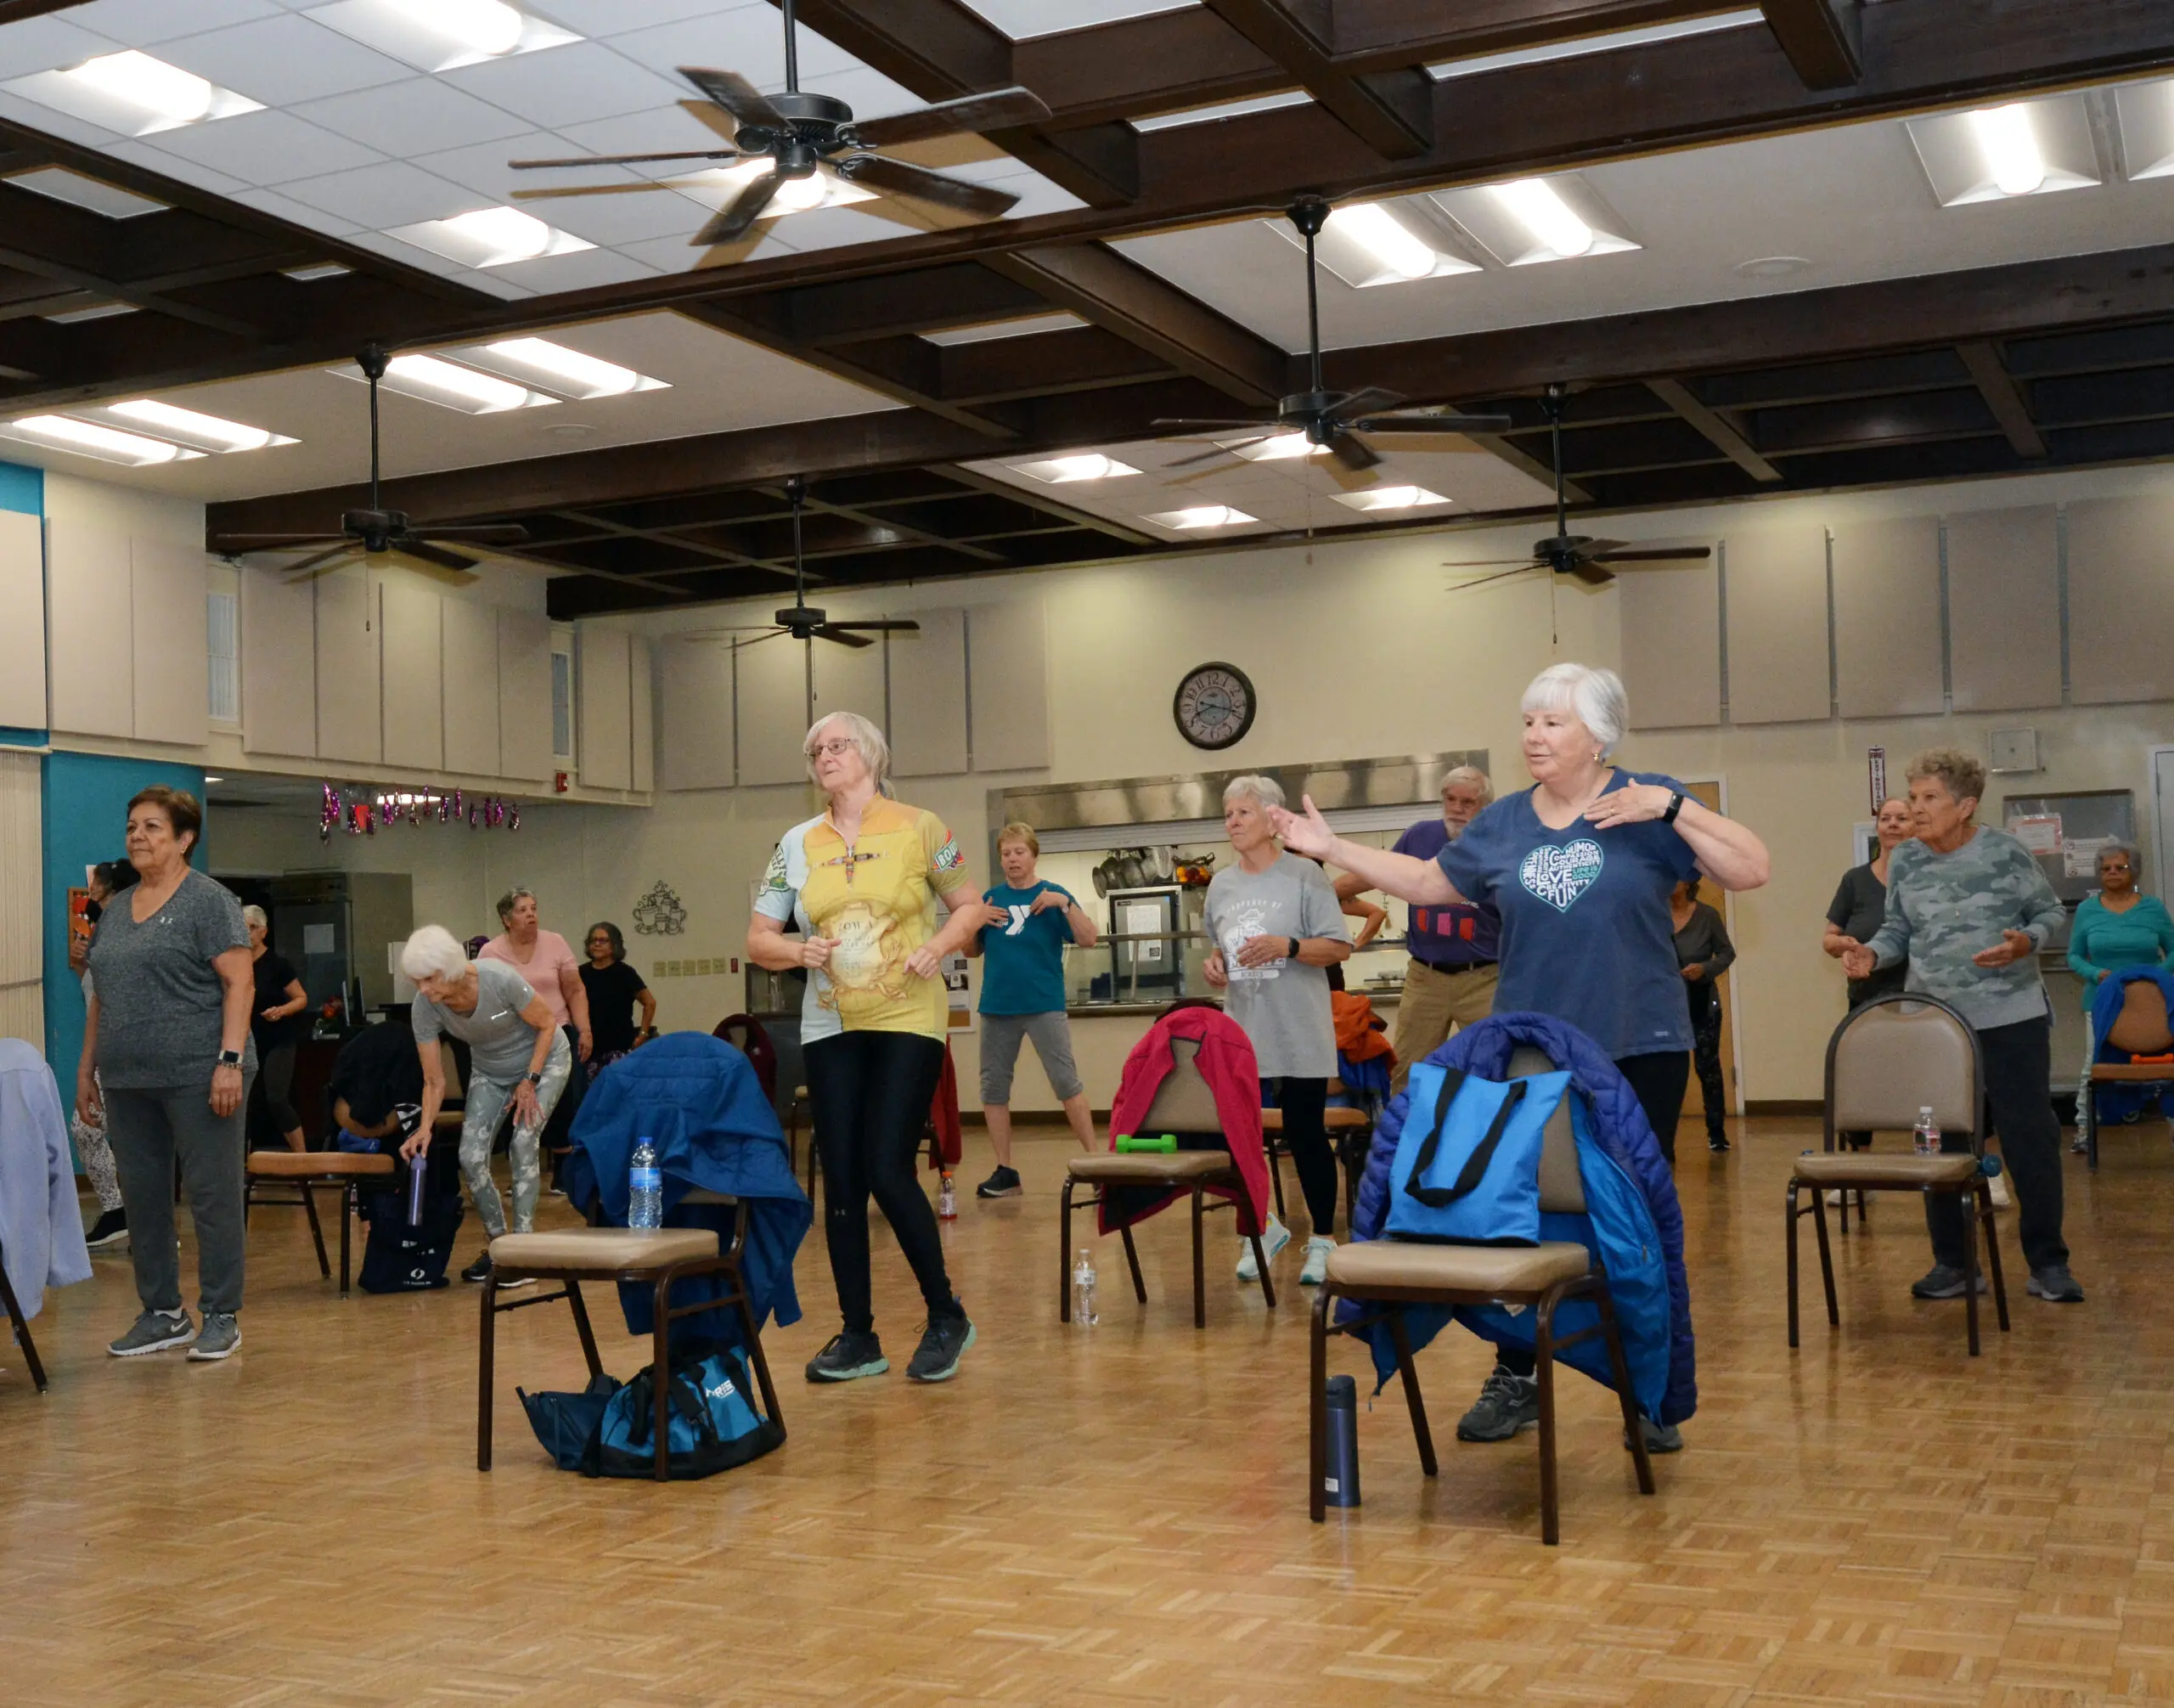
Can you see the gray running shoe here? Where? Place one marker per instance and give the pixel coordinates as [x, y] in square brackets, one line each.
[220, 1336]
[1944, 1281]
[848, 1355]
[2055, 1285]
[1507, 1405]
[943, 1343]
[1660, 1438]
[155, 1331]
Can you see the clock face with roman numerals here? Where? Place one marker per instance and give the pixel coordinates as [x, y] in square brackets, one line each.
[1214, 705]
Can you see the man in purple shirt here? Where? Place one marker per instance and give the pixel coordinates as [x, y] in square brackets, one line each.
[1455, 950]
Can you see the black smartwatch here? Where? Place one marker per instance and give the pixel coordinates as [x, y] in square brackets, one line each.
[534, 1078]
[1294, 949]
[230, 1059]
[1674, 806]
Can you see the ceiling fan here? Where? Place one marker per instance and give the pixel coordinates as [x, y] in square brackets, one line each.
[806, 137]
[1590, 559]
[800, 620]
[377, 530]
[1331, 419]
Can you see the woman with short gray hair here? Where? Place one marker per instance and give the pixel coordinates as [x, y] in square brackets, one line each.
[2118, 928]
[279, 999]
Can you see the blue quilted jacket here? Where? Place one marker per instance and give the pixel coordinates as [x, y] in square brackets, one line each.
[1632, 1221]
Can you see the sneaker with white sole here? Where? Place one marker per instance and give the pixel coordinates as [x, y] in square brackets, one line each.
[1945, 1281]
[1507, 1404]
[154, 1332]
[1273, 1239]
[111, 1228]
[2055, 1285]
[1316, 1267]
[218, 1337]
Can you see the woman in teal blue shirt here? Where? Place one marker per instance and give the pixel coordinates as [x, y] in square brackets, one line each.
[2119, 928]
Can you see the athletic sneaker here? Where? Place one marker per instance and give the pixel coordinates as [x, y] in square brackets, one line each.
[480, 1270]
[1717, 1142]
[943, 1343]
[154, 1332]
[1660, 1438]
[2080, 1145]
[110, 1229]
[1507, 1404]
[2054, 1284]
[1003, 1183]
[849, 1355]
[1944, 1281]
[1316, 1269]
[1271, 1242]
[220, 1334]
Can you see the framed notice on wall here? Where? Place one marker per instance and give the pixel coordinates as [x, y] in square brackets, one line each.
[957, 986]
[2064, 833]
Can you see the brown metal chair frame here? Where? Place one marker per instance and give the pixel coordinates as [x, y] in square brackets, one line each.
[1341, 1127]
[570, 1278]
[1978, 1185]
[346, 1179]
[22, 1326]
[1200, 1207]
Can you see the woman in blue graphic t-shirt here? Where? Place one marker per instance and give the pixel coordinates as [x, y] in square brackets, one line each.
[1579, 867]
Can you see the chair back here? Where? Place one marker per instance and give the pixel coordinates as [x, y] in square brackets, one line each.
[1184, 1102]
[449, 1065]
[748, 1035]
[1561, 1188]
[1895, 1054]
[2141, 1028]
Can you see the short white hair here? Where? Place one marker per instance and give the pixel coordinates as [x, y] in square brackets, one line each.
[1470, 774]
[433, 949]
[254, 915]
[1596, 696]
[1264, 791]
[875, 751]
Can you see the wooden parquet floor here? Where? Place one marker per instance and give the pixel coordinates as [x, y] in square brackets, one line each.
[1118, 1515]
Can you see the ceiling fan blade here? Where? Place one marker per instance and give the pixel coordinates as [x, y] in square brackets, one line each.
[741, 212]
[1495, 563]
[737, 96]
[411, 545]
[1359, 403]
[832, 632]
[1434, 424]
[1590, 573]
[905, 625]
[548, 192]
[483, 533]
[898, 178]
[1352, 454]
[267, 542]
[996, 110]
[1683, 553]
[1264, 427]
[771, 635]
[318, 561]
[1212, 452]
[1482, 581]
[627, 160]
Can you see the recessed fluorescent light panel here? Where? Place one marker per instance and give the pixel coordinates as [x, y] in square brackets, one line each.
[995, 329]
[1223, 110]
[1091, 466]
[1390, 499]
[1531, 220]
[88, 439]
[1201, 517]
[317, 270]
[555, 368]
[96, 311]
[2145, 112]
[428, 379]
[81, 191]
[440, 35]
[132, 93]
[2020, 147]
[1743, 18]
[195, 431]
[490, 237]
[1365, 243]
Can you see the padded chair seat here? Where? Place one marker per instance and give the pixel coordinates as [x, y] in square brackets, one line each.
[2132, 1073]
[288, 1165]
[1403, 1265]
[1336, 1121]
[1150, 1168]
[604, 1250]
[1842, 1168]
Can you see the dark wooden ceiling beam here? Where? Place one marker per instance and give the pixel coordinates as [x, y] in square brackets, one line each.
[1081, 358]
[1714, 427]
[70, 245]
[1160, 63]
[1824, 39]
[934, 299]
[1391, 112]
[2002, 396]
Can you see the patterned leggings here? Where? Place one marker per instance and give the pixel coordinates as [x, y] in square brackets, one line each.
[97, 1156]
[487, 1102]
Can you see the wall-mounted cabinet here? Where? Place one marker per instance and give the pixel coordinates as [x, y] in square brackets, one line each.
[22, 637]
[130, 652]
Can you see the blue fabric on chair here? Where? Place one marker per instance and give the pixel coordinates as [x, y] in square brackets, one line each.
[698, 1100]
[2119, 1103]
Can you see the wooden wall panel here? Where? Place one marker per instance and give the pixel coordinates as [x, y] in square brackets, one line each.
[469, 686]
[604, 739]
[22, 636]
[1776, 583]
[173, 642]
[525, 696]
[1007, 646]
[2121, 600]
[279, 664]
[641, 708]
[695, 684]
[1672, 644]
[772, 713]
[91, 624]
[928, 697]
[412, 654]
[1887, 640]
[2004, 609]
[347, 681]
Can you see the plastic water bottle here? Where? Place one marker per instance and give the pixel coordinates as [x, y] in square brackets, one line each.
[419, 1175]
[1083, 1289]
[1925, 1135]
[644, 1187]
[947, 1199]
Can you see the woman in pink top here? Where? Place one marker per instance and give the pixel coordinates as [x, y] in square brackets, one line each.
[546, 961]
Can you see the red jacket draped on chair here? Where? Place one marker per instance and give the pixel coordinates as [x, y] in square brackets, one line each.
[1226, 1062]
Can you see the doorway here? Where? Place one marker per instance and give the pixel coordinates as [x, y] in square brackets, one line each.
[1709, 794]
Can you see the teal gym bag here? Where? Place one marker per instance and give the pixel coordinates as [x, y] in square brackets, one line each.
[1470, 1175]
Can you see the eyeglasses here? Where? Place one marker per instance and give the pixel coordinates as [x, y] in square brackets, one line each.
[2105, 870]
[843, 745]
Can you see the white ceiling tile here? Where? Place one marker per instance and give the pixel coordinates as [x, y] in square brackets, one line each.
[677, 255]
[1037, 194]
[746, 39]
[419, 117]
[484, 166]
[1020, 18]
[42, 44]
[142, 23]
[605, 18]
[282, 206]
[283, 60]
[54, 124]
[580, 271]
[616, 220]
[393, 193]
[266, 147]
[585, 81]
[646, 133]
[153, 158]
[871, 94]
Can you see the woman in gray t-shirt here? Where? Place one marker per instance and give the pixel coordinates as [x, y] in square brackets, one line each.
[516, 1054]
[1276, 925]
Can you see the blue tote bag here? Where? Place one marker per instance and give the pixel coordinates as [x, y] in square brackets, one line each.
[1470, 1173]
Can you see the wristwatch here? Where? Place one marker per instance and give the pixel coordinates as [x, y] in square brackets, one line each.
[1674, 806]
[1294, 949]
[230, 1059]
[534, 1078]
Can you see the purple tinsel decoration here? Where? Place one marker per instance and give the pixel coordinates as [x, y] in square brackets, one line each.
[513, 817]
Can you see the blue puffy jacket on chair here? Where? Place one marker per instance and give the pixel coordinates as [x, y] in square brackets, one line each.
[699, 1101]
[1632, 1221]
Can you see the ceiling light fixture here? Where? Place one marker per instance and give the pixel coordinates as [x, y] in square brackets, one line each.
[1201, 517]
[429, 380]
[570, 371]
[317, 270]
[2011, 148]
[722, 185]
[88, 439]
[165, 94]
[1390, 499]
[201, 432]
[481, 26]
[1091, 466]
[442, 34]
[492, 237]
[96, 311]
[1546, 216]
[80, 190]
[1378, 231]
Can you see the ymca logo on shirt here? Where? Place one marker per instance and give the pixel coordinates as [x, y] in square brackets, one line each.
[1559, 875]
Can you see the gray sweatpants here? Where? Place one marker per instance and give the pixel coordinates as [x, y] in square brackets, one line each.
[148, 1130]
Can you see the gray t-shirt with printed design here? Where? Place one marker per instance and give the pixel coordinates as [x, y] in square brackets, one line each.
[1284, 1004]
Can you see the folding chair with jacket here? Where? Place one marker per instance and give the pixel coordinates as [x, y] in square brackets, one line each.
[2129, 1065]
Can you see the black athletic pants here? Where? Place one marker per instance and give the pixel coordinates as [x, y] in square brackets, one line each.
[2018, 1098]
[1305, 1136]
[870, 1093]
[1706, 1057]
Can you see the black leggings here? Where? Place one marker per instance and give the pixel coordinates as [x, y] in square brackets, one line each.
[275, 1078]
[1305, 1136]
[870, 1093]
[1706, 1056]
[2019, 1072]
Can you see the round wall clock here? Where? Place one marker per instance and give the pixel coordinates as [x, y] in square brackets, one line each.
[1214, 705]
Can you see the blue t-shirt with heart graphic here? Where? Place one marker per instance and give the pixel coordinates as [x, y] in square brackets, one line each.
[1586, 935]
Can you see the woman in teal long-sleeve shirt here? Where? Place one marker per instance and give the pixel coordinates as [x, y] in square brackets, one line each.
[2116, 929]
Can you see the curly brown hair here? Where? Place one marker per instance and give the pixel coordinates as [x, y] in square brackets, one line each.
[1963, 775]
